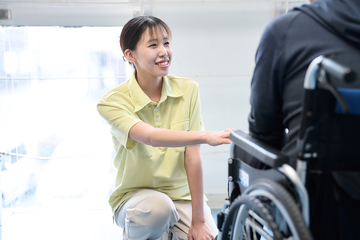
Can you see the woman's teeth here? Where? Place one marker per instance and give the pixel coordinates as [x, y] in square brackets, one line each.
[162, 63]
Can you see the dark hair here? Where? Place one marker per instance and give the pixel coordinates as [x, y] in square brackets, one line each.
[133, 30]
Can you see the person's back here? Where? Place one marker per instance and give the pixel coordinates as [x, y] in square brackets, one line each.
[288, 45]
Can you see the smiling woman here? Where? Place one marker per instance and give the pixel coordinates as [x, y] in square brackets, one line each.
[159, 183]
[151, 55]
[151, 58]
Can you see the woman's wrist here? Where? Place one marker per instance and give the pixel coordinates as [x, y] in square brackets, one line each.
[205, 137]
[198, 220]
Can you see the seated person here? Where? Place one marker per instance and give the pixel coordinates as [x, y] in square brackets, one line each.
[288, 45]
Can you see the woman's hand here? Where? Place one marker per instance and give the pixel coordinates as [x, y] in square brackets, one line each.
[218, 138]
[200, 231]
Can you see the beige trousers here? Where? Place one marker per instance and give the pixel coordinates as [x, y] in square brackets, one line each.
[150, 214]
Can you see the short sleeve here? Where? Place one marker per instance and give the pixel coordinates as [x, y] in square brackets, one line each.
[195, 119]
[119, 114]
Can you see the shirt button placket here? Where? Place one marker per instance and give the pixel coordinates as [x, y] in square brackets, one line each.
[157, 117]
[158, 122]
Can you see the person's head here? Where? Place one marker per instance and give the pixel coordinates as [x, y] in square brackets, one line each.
[144, 41]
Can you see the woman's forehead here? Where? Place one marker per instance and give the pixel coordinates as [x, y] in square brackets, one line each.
[156, 32]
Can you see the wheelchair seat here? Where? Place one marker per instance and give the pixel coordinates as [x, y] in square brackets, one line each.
[319, 198]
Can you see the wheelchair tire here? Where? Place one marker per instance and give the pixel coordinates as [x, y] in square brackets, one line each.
[278, 195]
[253, 207]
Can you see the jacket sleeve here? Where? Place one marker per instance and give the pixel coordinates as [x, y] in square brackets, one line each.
[265, 118]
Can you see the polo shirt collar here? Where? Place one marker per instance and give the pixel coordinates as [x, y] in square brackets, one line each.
[169, 89]
[140, 99]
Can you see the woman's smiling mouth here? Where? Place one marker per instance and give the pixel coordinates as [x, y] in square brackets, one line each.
[162, 63]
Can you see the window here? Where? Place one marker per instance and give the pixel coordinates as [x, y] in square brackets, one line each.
[51, 79]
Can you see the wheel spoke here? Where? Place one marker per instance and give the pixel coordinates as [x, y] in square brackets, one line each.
[258, 218]
[253, 228]
[257, 228]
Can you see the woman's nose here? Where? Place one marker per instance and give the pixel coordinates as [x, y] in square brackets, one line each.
[162, 51]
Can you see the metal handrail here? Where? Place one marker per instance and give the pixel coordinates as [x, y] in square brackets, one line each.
[48, 158]
[60, 78]
[81, 155]
[116, 77]
[140, 2]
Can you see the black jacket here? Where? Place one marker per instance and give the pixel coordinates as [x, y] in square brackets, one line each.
[288, 45]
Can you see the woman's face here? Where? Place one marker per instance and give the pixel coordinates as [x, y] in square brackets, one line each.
[153, 54]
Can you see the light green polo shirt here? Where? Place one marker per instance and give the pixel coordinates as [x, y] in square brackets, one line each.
[142, 166]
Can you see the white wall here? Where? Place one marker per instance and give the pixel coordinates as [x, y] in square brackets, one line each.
[214, 42]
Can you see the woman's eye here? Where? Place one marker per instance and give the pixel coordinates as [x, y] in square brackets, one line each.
[153, 45]
[167, 43]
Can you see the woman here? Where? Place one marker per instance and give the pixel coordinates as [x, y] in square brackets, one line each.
[156, 127]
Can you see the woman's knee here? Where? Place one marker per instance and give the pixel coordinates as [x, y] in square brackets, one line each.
[160, 210]
[148, 212]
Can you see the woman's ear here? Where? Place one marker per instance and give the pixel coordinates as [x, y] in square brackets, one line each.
[129, 55]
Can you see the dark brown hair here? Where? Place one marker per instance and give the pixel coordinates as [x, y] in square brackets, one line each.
[133, 30]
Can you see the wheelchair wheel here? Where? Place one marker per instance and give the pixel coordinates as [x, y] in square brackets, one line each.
[249, 219]
[281, 204]
[265, 211]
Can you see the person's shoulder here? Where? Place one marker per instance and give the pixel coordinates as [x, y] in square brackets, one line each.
[283, 22]
[277, 29]
[183, 81]
[118, 91]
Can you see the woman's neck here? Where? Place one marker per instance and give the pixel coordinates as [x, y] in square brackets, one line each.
[152, 86]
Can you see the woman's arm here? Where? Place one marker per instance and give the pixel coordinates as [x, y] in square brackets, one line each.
[158, 137]
[199, 229]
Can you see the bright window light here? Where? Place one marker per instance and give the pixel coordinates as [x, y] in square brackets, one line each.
[51, 79]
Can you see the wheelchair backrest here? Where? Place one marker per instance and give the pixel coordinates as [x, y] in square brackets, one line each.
[352, 98]
[330, 121]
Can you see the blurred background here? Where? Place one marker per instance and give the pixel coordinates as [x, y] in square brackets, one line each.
[59, 57]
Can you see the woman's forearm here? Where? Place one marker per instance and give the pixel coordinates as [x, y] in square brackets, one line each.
[158, 137]
[194, 173]
[172, 138]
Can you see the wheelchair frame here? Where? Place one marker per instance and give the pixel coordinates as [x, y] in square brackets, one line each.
[254, 184]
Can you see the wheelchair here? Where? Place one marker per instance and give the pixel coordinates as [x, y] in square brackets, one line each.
[320, 197]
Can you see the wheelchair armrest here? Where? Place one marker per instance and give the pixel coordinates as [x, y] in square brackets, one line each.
[260, 150]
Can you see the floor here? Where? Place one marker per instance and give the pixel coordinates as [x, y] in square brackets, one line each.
[60, 225]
